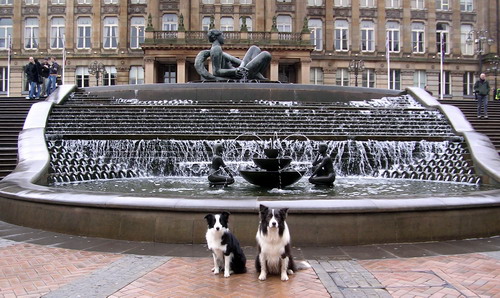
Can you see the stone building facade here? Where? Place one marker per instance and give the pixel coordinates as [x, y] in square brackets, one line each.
[311, 41]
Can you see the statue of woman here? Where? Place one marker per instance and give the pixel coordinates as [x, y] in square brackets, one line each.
[225, 66]
[216, 175]
[323, 172]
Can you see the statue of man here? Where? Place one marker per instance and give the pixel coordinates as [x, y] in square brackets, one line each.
[216, 175]
[225, 66]
[323, 172]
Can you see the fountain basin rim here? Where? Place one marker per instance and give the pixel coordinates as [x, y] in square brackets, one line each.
[42, 194]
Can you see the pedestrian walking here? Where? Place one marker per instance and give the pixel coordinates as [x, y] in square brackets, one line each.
[53, 73]
[32, 76]
[482, 89]
[45, 76]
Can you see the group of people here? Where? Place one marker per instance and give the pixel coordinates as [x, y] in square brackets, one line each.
[41, 76]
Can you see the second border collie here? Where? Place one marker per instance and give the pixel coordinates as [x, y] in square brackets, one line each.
[226, 250]
[273, 241]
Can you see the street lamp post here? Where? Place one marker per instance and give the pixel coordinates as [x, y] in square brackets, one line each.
[356, 66]
[96, 68]
[494, 69]
[479, 37]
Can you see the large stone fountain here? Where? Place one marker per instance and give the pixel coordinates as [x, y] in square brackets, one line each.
[167, 130]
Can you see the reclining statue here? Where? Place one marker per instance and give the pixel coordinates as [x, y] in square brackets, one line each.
[226, 67]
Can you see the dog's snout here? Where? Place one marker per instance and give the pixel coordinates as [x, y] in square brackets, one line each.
[217, 228]
[274, 224]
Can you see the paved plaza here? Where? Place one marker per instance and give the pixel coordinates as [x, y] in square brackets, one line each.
[35, 263]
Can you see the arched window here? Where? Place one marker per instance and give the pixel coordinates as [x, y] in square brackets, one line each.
[316, 29]
[170, 22]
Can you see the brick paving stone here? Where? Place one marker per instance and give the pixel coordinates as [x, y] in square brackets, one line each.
[470, 275]
[192, 277]
[41, 268]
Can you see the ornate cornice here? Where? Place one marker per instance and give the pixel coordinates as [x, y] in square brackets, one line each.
[246, 9]
[208, 9]
[316, 11]
[368, 12]
[444, 15]
[394, 13]
[227, 9]
[285, 7]
[419, 14]
[83, 10]
[110, 9]
[137, 9]
[169, 6]
[342, 12]
[57, 9]
[31, 10]
[468, 17]
[6, 11]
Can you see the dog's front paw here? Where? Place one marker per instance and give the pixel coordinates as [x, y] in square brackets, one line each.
[213, 269]
[262, 276]
[284, 277]
[216, 270]
[290, 272]
[227, 273]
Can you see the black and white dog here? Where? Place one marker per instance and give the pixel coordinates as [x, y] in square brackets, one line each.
[226, 250]
[273, 241]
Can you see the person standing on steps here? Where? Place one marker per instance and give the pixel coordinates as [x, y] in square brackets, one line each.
[482, 89]
[53, 73]
[32, 76]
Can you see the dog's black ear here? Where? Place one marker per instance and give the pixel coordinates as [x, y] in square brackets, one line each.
[284, 212]
[263, 208]
[209, 217]
[225, 214]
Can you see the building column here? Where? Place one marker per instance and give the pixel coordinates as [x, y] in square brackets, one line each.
[406, 78]
[149, 70]
[122, 74]
[69, 33]
[274, 74]
[305, 71]
[181, 70]
[329, 76]
[456, 87]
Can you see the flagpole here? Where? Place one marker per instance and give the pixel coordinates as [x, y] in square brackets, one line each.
[441, 65]
[388, 58]
[8, 64]
[64, 58]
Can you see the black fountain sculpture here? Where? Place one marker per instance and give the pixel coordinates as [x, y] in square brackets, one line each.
[272, 171]
[323, 171]
[217, 177]
[226, 67]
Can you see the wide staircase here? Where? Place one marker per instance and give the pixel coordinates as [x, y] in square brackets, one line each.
[13, 112]
[490, 126]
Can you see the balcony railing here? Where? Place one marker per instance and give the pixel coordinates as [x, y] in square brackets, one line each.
[230, 37]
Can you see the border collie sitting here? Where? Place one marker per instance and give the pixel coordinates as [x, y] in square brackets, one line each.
[273, 241]
[226, 250]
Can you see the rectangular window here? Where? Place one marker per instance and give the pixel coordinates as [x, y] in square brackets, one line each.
[342, 3]
[226, 24]
[109, 78]
[316, 77]
[467, 49]
[393, 35]
[226, 1]
[284, 23]
[4, 79]
[110, 1]
[468, 84]
[110, 33]
[447, 83]
[6, 2]
[137, 26]
[420, 78]
[368, 78]
[32, 2]
[443, 4]
[5, 32]
[205, 24]
[341, 35]
[417, 37]
[395, 79]
[367, 3]
[314, 2]
[138, 1]
[136, 75]
[170, 74]
[367, 36]
[170, 22]
[342, 77]
[83, 33]
[417, 4]
[316, 29]
[58, 2]
[57, 27]
[208, 1]
[82, 76]
[84, 2]
[31, 33]
[442, 34]
[466, 5]
[392, 4]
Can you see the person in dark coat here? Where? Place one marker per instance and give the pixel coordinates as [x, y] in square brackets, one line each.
[45, 77]
[482, 89]
[32, 76]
